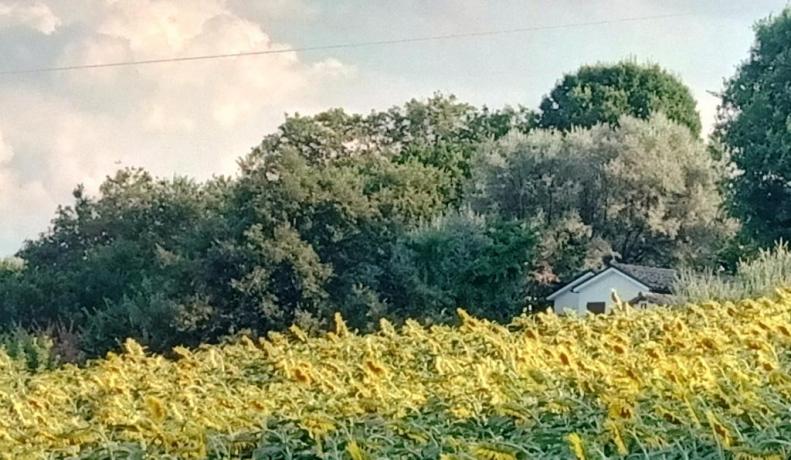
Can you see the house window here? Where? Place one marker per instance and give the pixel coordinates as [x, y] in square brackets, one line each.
[596, 307]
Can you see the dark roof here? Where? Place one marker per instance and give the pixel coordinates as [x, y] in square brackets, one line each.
[660, 280]
[653, 299]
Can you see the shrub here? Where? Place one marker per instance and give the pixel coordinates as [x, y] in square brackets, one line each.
[463, 259]
[760, 276]
[32, 350]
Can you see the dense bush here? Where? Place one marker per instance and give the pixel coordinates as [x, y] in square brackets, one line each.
[462, 259]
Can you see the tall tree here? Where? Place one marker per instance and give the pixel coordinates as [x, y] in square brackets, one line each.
[440, 131]
[101, 246]
[755, 125]
[313, 239]
[604, 93]
[645, 190]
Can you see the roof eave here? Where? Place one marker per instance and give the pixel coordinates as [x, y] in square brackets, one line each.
[571, 285]
[589, 280]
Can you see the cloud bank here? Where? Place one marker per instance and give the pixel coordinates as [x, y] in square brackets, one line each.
[36, 15]
[194, 118]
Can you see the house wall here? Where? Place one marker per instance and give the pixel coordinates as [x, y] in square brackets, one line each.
[599, 290]
[568, 300]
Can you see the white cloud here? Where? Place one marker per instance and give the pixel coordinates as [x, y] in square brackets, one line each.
[332, 67]
[6, 153]
[18, 198]
[707, 107]
[193, 118]
[270, 10]
[31, 14]
[184, 96]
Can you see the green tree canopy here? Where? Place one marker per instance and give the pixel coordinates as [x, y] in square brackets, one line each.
[604, 93]
[440, 132]
[175, 262]
[314, 239]
[645, 190]
[366, 215]
[100, 246]
[464, 260]
[755, 125]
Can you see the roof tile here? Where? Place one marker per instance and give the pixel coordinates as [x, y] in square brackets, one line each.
[660, 280]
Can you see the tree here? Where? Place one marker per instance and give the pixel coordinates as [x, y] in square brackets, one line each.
[755, 125]
[604, 93]
[12, 298]
[464, 260]
[99, 247]
[445, 133]
[102, 251]
[314, 239]
[644, 190]
[440, 132]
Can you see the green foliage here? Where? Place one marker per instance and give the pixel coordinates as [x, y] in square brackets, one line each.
[440, 132]
[605, 93]
[430, 435]
[149, 316]
[446, 134]
[32, 350]
[100, 252]
[100, 247]
[313, 237]
[756, 277]
[755, 125]
[462, 259]
[11, 265]
[11, 294]
[171, 262]
[421, 435]
[644, 190]
[363, 215]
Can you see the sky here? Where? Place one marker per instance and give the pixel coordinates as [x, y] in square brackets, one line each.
[61, 129]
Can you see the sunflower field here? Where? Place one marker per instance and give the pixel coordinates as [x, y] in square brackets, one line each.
[700, 381]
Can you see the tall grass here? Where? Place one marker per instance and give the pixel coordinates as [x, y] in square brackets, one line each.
[753, 278]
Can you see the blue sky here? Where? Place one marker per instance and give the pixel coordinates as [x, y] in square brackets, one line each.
[61, 129]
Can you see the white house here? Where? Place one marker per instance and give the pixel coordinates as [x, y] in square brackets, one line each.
[592, 291]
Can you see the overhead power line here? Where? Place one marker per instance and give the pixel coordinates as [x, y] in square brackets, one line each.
[395, 41]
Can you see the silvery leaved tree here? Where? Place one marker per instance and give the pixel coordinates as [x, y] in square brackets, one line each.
[644, 190]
